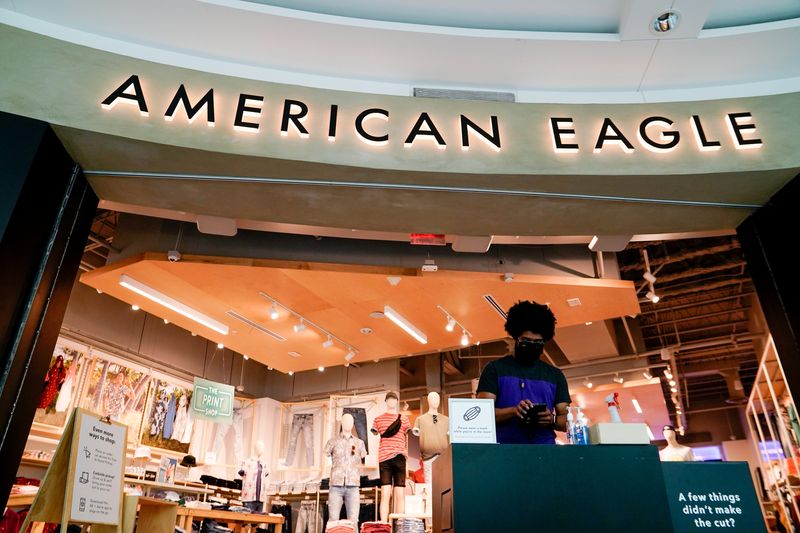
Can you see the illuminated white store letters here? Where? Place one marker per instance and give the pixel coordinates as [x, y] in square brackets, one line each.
[657, 134]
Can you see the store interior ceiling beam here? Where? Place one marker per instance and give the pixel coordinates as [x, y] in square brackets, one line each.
[700, 330]
[405, 371]
[706, 286]
[665, 279]
[700, 302]
[698, 317]
[676, 258]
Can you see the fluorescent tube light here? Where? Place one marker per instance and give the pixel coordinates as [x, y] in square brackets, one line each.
[404, 324]
[637, 406]
[172, 304]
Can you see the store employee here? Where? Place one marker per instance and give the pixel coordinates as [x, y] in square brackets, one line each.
[518, 382]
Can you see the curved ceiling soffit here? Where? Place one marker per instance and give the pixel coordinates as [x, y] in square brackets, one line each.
[772, 84]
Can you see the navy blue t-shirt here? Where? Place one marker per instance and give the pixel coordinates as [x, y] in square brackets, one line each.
[511, 382]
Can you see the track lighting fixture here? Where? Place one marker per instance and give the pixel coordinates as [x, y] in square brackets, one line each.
[135, 307]
[464, 338]
[321, 369]
[649, 277]
[451, 324]
[304, 324]
[618, 379]
[647, 375]
[220, 346]
[290, 373]
[588, 383]
[349, 356]
[653, 297]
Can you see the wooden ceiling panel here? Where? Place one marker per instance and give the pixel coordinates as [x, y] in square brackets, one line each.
[340, 298]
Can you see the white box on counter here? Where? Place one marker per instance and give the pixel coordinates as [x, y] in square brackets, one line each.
[618, 433]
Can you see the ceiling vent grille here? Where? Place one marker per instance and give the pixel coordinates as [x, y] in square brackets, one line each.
[496, 306]
[458, 94]
[256, 325]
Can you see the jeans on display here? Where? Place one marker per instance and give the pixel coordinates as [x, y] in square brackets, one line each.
[254, 506]
[409, 525]
[360, 418]
[309, 520]
[286, 511]
[427, 469]
[347, 495]
[304, 422]
[222, 432]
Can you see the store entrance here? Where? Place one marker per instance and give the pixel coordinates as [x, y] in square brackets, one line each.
[308, 324]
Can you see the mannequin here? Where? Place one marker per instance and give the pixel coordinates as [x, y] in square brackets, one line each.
[346, 452]
[432, 430]
[392, 452]
[673, 450]
[254, 479]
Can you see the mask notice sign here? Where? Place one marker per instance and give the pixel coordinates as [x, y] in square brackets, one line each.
[472, 421]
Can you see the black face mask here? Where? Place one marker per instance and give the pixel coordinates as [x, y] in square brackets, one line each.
[528, 351]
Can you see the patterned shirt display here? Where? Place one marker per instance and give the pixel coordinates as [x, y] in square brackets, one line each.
[395, 445]
[347, 452]
[115, 398]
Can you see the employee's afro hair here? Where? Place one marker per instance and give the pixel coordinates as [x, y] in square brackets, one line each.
[529, 316]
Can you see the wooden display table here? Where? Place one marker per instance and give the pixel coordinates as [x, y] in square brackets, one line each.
[20, 500]
[155, 516]
[235, 521]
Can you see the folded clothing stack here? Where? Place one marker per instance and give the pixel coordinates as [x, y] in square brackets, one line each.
[376, 527]
[409, 525]
[341, 526]
[224, 483]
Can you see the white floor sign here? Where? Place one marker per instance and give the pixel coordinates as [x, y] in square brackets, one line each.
[99, 456]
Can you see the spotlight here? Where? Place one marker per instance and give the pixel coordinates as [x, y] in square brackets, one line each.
[321, 369]
[647, 375]
[299, 327]
[290, 373]
[245, 357]
[350, 355]
[328, 343]
[673, 389]
[166, 321]
[668, 374]
[464, 339]
[588, 383]
[649, 277]
[220, 346]
[672, 383]
[135, 307]
[653, 297]
[451, 324]
[194, 334]
[273, 312]
[618, 379]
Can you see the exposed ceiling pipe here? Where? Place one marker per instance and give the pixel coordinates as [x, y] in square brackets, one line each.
[699, 330]
[698, 317]
[696, 304]
[687, 255]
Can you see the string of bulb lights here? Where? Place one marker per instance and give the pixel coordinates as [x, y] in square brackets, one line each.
[304, 323]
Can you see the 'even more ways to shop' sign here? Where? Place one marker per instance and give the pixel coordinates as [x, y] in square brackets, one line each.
[249, 113]
[212, 401]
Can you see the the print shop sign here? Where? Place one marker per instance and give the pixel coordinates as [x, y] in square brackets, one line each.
[212, 401]
[252, 114]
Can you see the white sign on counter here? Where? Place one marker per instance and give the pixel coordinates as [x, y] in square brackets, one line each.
[97, 474]
[472, 421]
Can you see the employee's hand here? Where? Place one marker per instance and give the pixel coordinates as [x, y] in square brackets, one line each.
[545, 418]
[522, 408]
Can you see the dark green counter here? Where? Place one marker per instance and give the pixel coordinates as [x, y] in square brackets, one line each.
[487, 488]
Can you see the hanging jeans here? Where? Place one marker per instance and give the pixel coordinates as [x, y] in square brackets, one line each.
[347, 495]
[304, 423]
[286, 511]
[308, 519]
[360, 418]
[222, 432]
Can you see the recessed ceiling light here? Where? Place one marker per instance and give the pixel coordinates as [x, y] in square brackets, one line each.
[574, 302]
[366, 331]
[294, 354]
[666, 21]
[321, 368]
[220, 346]
[290, 373]
[376, 314]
